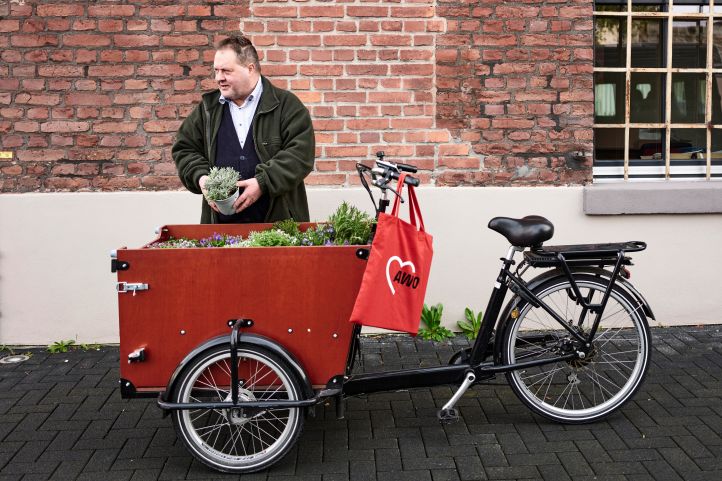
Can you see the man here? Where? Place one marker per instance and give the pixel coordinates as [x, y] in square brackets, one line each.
[263, 132]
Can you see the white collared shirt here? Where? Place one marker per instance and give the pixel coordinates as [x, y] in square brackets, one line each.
[243, 116]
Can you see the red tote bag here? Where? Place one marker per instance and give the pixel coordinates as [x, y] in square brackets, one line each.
[394, 283]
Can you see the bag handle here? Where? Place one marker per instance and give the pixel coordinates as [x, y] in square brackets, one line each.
[414, 209]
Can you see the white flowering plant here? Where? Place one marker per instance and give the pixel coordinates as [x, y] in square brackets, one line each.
[221, 183]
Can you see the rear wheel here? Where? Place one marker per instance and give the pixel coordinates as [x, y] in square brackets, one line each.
[580, 390]
[237, 440]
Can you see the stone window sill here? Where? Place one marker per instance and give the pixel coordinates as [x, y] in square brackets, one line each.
[672, 197]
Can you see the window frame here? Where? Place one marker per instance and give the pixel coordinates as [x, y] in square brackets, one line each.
[668, 71]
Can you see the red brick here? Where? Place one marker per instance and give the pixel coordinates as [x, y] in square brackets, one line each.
[199, 11]
[137, 56]
[111, 71]
[325, 179]
[299, 40]
[9, 84]
[64, 126]
[136, 40]
[111, 10]
[135, 25]
[413, 12]
[49, 155]
[367, 11]
[187, 55]
[161, 182]
[39, 113]
[83, 24]
[91, 154]
[158, 25]
[186, 40]
[322, 11]
[494, 40]
[344, 40]
[33, 40]
[60, 10]
[159, 71]
[274, 12]
[114, 127]
[233, 11]
[164, 11]
[85, 40]
[87, 113]
[412, 69]
[162, 126]
[390, 97]
[390, 40]
[87, 99]
[37, 99]
[86, 56]
[147, 155]
[9, 25]
[576, 11]
[321, 70]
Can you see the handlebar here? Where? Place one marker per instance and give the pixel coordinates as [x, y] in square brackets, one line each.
[386, 171]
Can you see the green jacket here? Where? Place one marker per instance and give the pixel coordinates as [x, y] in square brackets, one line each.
[285, 144]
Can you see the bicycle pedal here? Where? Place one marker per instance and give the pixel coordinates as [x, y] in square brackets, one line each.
[448, 416]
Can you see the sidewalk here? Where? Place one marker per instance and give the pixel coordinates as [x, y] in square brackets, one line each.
[61, 417]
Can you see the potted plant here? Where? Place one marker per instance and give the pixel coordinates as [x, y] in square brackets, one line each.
[221, 188]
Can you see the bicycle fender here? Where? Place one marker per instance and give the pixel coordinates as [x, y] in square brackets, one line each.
[253, 339]
[558, 273]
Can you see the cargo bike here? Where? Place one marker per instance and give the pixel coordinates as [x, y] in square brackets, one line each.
[239, 344]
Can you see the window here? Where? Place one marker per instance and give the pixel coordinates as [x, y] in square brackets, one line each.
[657, 90]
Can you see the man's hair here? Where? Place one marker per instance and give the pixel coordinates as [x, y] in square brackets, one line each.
[245, 51]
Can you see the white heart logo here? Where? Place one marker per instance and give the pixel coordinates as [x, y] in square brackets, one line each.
[402, 264]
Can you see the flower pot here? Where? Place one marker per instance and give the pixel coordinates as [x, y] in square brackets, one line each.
[226, 205]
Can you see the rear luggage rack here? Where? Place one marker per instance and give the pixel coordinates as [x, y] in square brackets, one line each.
[583, 254]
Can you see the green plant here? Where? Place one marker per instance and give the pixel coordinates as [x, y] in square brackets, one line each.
[431, 317]
[289, 226]
[4, 348]
[270, 238]
[351, 225]
[221, 183]
[61, 346]
[89, 347]
[470, 327]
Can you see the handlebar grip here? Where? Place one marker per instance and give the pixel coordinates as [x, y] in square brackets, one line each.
[407, 168]
[412, 181]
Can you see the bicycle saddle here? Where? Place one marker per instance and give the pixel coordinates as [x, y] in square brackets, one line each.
[528, 231]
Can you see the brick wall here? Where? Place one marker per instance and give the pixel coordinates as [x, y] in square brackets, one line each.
[474, 93]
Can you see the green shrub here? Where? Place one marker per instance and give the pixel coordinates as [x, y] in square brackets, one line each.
[351, 225]
[470, 327]
[431, 317]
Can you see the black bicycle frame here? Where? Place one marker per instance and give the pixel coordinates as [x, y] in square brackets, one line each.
[480, 351]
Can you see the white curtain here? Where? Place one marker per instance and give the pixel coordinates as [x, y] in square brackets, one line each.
[604, 100]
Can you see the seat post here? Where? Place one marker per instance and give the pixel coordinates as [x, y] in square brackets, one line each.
[510, 254]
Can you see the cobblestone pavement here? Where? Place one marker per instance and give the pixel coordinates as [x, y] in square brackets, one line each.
[61, 417]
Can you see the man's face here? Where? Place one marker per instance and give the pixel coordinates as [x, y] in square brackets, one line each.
[236, 81]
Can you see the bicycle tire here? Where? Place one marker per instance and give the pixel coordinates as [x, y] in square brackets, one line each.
[235, 441]
[605, 380]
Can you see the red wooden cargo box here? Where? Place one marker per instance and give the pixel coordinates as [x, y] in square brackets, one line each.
[299, 297]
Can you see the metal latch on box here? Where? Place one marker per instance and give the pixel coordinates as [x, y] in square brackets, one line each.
[122, 287]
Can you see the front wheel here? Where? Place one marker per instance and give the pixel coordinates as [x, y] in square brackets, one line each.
[580, 390]
[237, 440]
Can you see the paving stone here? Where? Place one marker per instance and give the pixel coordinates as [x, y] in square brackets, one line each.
[66, 420]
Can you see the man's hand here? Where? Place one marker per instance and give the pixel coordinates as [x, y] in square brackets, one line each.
[251, 193]
[202, 185]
